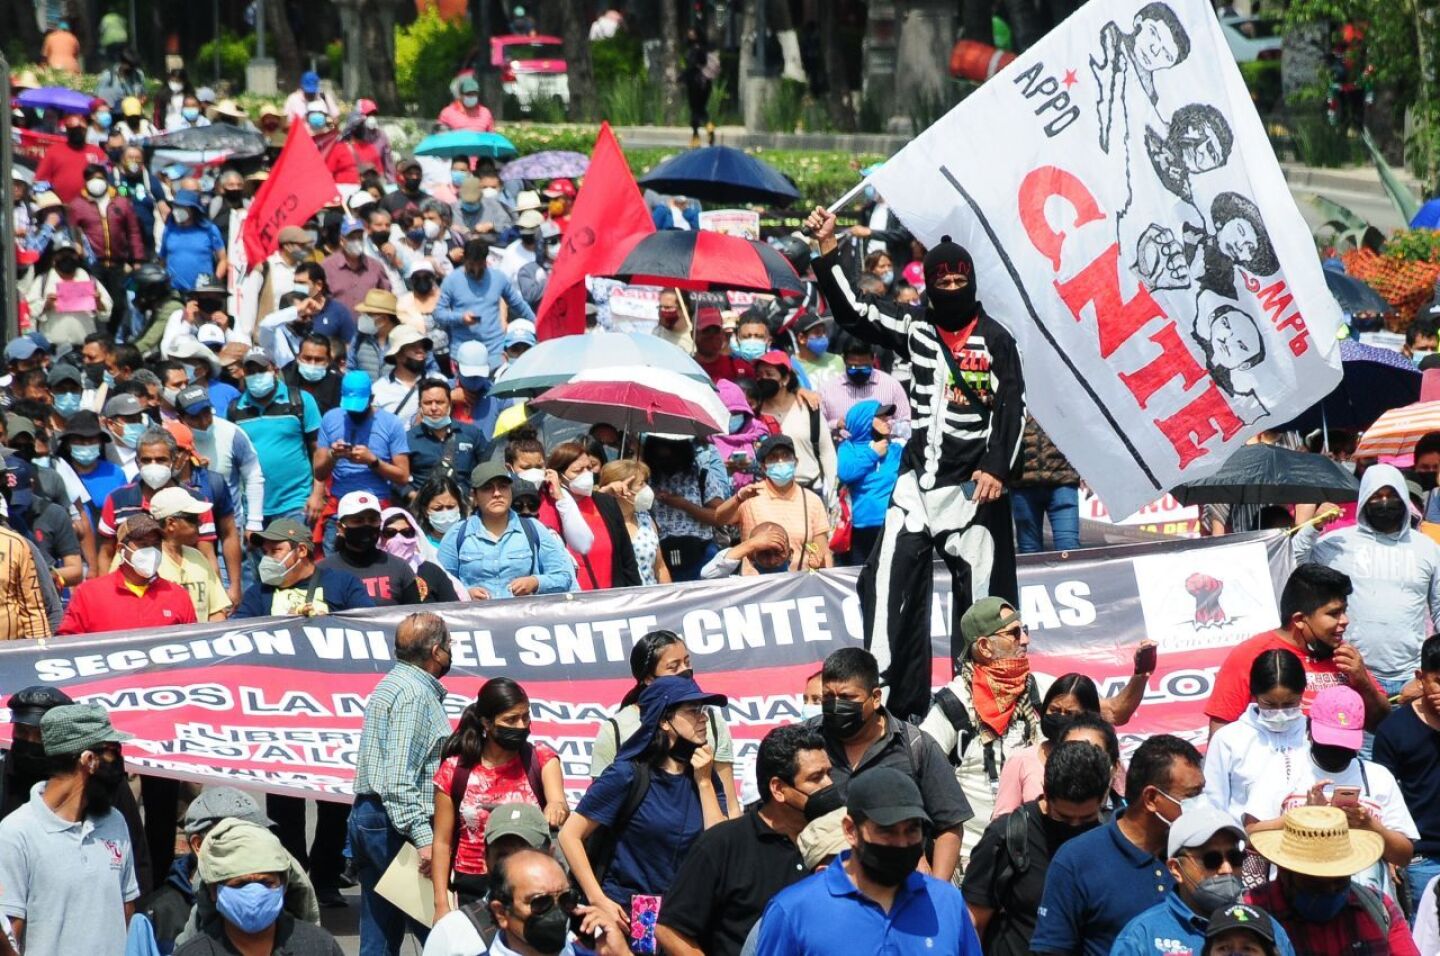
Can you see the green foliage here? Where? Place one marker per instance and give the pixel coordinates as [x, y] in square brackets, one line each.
[426, 54]
[1318, 143]
[1416, 245]
[236, 52]
[335, 56]
[784, 110]
[620, 56]
[1262, 79]
[547, 109]
[634, 100]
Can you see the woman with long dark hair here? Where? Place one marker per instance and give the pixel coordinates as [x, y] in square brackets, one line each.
[661, 654]
[657, 797]
[1022, 779]
[487, 761]
[1268, 740]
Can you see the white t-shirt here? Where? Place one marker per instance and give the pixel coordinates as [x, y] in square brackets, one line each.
[1244, 755]
[454, 935]
[1427, 923]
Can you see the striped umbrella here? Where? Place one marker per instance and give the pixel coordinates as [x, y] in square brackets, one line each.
[1397, 431]
[703, 261]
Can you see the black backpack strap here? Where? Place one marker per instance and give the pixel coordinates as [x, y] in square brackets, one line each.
[1017, 838]
[639, 786]
[459, 780]
[815, 444]
[472, 913]
[532, 772]
[532, 537]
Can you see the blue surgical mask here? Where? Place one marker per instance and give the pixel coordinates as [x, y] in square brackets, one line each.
[131, 432]
[457, 176]
[260, 384]
[818, 344]
[475, 384]
[869, 193]
[103, 119]
[316, 120]
[782, 472]
[737, 421]
[888, 276]
[108, 378]
[67, 403]
[191, 113]
[751, 349]
[442, 422]
[470, 206]
[311, 373]
[84, 454]
[1318, 907]
[859, 374]
[41, 461]
[251, 907]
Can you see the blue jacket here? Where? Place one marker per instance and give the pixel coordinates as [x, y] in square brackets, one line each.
[663, 218]
[868, 477]
[1172, 927]
[481, 297]
[469, 554]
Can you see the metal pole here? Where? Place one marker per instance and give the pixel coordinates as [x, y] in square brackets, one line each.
[259, 29]
[8, 277]
[216, 46]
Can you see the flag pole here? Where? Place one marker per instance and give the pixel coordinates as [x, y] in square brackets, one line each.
[844, 200]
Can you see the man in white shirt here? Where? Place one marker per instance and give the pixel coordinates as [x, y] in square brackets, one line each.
[263, 286]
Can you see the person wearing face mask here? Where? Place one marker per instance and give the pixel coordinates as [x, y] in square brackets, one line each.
[350, 273]
[780, 499]
[134, 124]
[812, 355]
[111, 227]
[382, 245]
[281, 272]
[133, 595]
[82, 447]
[834, 911]
[409, 195]
[488, 761]
[867, 465]
[369, 141]
[1006, 875]
[124, 421]
[416, 306]
[471, 400]
[735, 868]
[665, 771]
[190, 116]
[389, 580]
[191, 247]
[1422, 337]
[635, 502]
[402, 537]
[673, 322]
[967, 389]
[1100, 880]
[24, 761]
[87, 301]
[610, 559]
[467, 112]
[63, 165]
[297, 103]
[408, 357]
[1206, 848]
[481, 208]
[440, 446]
[244, 873]
[158, 461]
[1391, 613]
[68, 863]
[736, 448]
[1336, 775]
[1315, 895]
[327, 315]
[1315, 624]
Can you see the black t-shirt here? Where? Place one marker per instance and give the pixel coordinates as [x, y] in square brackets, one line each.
[1410, 750]
[50, 528]
[992, 882]
[326, 392]
[388, 580]
[734, 869]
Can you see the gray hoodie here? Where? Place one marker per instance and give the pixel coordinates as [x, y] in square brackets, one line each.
[1396, 578]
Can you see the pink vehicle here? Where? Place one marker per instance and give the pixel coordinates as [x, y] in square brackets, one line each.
[531, 67]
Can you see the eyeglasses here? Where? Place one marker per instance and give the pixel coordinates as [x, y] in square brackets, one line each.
[1212, 859]
[405, 532]
[1014, 632]
[542, 903]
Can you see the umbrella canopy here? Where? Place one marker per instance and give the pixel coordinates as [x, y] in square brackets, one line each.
[56, 98]
[721, 174]
[557, 361]
[1428, 216]
[1375, 381]
[700, 394]
[212, 142]
[461, 142]
[1355, 296]
[629, 406]
[551, 164]
[1271, 475]
[704, 261]
[1397, 431]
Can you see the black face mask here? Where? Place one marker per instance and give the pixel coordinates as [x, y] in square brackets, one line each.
[412, 184]
[302, 328]
[416, 365]
[102, 789]
[1057, 833]
[27, 762]
[1053, 725]
[842, 718]
[422, 284]
[66, 265]
[1425, 479]
[688, 673]
[94, 372]
[234, 198]
[361, 539]
[547, 932]
[1330, 758]
[359, 416]
[888, 865]
[510, 738]
[952, 309]
[75, 137]
[766, 388]
[380, 238]
[1320, 651]
[825, 800]
[114, 155]
[1387, 516]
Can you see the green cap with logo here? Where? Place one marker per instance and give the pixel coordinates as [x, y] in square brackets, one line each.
[74, 728]
[523, 820]
[985, 617]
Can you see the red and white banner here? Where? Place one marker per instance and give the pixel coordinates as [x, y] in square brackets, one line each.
[277, 703]
[1131, 227]
[1162, 516]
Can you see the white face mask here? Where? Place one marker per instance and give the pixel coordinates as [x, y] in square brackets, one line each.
[810, 711]
[356, 247]
[175, 86]
[182, 216]
[96, 187]
[489, 192]
[445, 519]
[582, 484]
[644, 499]
[156, 476]
[1280, 719]
[145, 562]
[432, 229]
[536, 476]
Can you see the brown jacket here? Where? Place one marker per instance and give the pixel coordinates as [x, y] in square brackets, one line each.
[22, 604]
[1045, 466]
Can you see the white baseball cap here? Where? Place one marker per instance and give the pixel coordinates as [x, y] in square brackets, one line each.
[472, 358]
[169, 502]
[357, 502]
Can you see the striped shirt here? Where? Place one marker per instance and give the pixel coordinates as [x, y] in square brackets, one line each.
[405, 724]
[22, 607]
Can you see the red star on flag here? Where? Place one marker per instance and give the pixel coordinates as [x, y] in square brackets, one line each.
[1070, 79]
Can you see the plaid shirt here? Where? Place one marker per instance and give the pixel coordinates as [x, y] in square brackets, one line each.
[405, 724]
[1352, 933]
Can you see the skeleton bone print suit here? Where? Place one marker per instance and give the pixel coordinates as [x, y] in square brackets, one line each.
[929, 508]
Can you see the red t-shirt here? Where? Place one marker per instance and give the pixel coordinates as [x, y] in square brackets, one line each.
[487, 788]
[107, 604]
[726, 366]
[1231, 694]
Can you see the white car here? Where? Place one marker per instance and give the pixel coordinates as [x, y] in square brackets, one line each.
[1251, 38]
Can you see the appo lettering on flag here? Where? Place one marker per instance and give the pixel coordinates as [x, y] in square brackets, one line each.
[1132, 229]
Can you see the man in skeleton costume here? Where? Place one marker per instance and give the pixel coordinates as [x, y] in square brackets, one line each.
[968, 414]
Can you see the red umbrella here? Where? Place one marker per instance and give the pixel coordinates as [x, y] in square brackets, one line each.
[702, 261]
[628, 406]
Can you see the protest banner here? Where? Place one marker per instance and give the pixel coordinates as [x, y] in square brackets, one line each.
[277, 703]
[635, 308]
[1162, 516]
[1132, 229]
[744, 223]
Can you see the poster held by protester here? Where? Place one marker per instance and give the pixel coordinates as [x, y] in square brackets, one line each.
[744, 223]
[276, 703]
[1133, 230]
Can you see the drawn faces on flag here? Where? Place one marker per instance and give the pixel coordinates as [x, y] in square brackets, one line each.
[1197, 141]
[1232, 345]
[1158, 41]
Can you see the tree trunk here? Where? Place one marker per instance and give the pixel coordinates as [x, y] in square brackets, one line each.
[975, 19]
[1026, 23]
[377, 39]
[837, 93]
[575, 31]
[670, 55]
[286, 50]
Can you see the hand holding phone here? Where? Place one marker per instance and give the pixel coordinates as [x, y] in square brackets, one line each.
[1345, 797]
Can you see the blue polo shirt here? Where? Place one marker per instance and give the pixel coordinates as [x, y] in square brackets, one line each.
[1170, 928]
[1096, 884]
[334, 321]
[427, 449]
[379, 431]
[189, 251]
[222, 394]
[277, 429]
[826, 914]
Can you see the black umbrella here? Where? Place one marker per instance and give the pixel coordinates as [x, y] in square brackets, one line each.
[1353, 296]
[1271, 475]
[215, 139]
[721, 174]
[702, 261]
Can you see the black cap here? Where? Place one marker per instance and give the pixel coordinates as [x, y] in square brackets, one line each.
[28, 705]
[520, 488]
[193, 399]
[886, 796]
[84, 424]
[773, 442]
[1241, 916]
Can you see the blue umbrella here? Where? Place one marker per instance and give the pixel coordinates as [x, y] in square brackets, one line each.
[461, 142]
[1428, 216]
[721, 174]
[56, 98]
[1375, 381]
[1355, 296]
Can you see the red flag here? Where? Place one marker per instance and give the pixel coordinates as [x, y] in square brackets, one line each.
[608, 219]
[299, 185]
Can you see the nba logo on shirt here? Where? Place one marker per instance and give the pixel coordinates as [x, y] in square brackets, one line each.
[166, 612]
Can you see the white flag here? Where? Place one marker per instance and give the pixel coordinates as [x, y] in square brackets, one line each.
[1131, 228]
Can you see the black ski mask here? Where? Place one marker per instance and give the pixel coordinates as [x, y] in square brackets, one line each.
[951, 309]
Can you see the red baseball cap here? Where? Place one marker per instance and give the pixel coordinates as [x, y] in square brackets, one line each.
[1337, 718]
[776, 357]
[561, 187]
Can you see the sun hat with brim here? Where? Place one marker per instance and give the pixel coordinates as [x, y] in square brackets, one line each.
[187, 197]
[187, 348]
[528, 199]
[50, 200]
[487, 472]
[529, 221]
[75, 728]
[822, 838]
[378, 302]
[1241, 916]
[229, 108]
[661, 697]
[355, 391]
[169, 502]
[85, 424]
[222, 803]
[293, 234]
[29, 705]
[402, 337]
[1317, 841]
[885, 796]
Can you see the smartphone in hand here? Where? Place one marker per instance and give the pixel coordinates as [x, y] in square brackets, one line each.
[1345, 797]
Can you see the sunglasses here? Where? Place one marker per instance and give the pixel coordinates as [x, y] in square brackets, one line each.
[545, 902]
[405, 532]
[1212, 859]
[1014, 632]
[527, 512]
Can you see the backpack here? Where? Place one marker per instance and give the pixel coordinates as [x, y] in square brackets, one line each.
[461, 779]
[959, 717]
[1374, 906]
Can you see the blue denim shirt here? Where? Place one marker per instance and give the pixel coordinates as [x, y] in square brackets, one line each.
[469, 553]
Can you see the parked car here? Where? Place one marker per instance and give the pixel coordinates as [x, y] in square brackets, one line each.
[1251, 38]
[531, 68]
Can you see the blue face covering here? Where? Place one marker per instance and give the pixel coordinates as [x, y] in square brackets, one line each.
[251, 907]
[443, 422]
[737, 421]
[782, 472]
[191, 113]
[311, 373]
[85, 454]
[1319, 907]
[470, 206]
[316, 120]
[131, 432]
[818, 344]
[457, 176]
[475, 384]
[859, 374]
[67, 403]
[750, 349]
[260, 384]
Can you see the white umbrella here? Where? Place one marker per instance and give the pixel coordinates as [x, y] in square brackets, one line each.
[700, 393]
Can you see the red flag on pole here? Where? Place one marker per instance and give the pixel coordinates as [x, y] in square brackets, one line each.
[299, 185]
[608, 219]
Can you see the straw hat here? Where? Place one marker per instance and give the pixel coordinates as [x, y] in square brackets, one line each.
[1318, 841]
[25, 80]
[229, 108]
